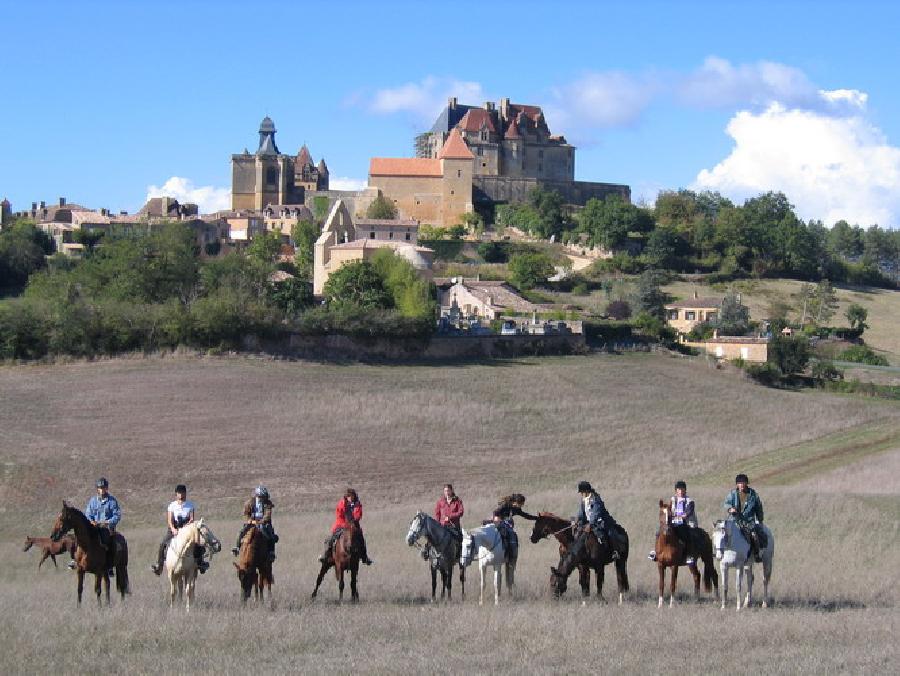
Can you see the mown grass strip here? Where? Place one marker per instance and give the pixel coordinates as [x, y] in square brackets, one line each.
[788, 465]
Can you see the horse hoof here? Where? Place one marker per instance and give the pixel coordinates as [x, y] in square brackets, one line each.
[765, 605]
[584, 604]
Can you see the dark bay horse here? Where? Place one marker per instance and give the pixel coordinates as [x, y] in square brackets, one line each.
[345, 556]
[254, 567]
[671, 553]
[443, 552]
[51, 549]
[90, 554]
[592, 555]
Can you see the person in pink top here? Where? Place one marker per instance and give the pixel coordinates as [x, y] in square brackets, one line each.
[449, 510]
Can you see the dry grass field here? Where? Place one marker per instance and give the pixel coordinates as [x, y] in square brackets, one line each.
[828, 470]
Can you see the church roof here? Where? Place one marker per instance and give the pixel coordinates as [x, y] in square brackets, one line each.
[303, 157]
[476, 119]
[404, 166]
[455, 148]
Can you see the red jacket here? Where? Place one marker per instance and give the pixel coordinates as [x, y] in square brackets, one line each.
[340, 514]
[449, 512]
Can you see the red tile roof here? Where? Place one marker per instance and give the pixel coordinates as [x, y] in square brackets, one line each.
[476, 119]
[455, 148]
[303, 157]
[405, 166]
[531, 111]
[512, 131]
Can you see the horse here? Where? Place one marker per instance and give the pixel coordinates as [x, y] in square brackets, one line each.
[591, 555]
[181, 564]
[670, 553]
[254, 567]
[733, 551]
[443, 552]
[548, 524]
[346, 553]
[51, 549]
[489, 545]
[91, 556]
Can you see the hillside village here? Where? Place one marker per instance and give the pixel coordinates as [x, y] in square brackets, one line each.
[505, 242]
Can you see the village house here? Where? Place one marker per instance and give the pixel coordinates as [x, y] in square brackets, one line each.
[684, 315]
[753, 349]
[489, 300]
[343, 241]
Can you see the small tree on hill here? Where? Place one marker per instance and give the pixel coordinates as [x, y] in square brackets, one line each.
[359, 284]
[304, 234]
[265, 247]
[856, 314]
[734, 317]
[789, 353]
[381, 208]
[649, 297]
[530, 269]
[619, 310]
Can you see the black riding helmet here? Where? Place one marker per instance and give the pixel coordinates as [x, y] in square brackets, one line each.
[741, 479]
[102, 483]
[681, 485]
[585, 487]
[181, 488]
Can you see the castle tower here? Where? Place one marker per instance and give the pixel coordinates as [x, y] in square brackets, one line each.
[5, 212]
[267, 177]
[457, 166]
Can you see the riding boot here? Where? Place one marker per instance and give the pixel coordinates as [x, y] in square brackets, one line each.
[202, 565]
[329, 545]
[365, 555]
[754, 547]
[157, 568]
[237, 547]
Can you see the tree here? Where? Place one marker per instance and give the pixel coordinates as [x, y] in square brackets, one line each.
[359, 284]
[530, 269]
[846, 240]
[618, 310]
[265, 246]
[825, 302]
[23, 250]
[649, 298]
[381, 208]
[663, 246]
[734, 317]
[88, 239]
[304, 234]
[493, 252]
[291, 296]
[856, 314]
[410, 292]
[789, 353]
[608, 222]
[548, 206]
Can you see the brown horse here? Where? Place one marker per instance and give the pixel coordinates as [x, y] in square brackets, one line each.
[254, 567]
[345, 556]
[91, 556]
[670, 553]
[592, 555]
[50, 549]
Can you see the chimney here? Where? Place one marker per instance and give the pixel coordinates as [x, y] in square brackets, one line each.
[103, 212]
[504, 108]
[490, 301]
[62, 201]
[43, 205]
[34, 206]
[451, 103]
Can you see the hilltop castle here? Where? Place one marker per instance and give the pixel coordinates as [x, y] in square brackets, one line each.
[270, 177]
[499, 154]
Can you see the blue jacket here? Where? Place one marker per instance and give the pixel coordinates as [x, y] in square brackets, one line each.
[753, 507]
[596, 514]
[106, 510]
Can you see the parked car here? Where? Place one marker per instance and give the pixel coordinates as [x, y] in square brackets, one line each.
[509, 328]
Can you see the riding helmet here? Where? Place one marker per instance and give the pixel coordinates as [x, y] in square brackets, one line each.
[741, 479]
[585, 487]
[681, 485]
[261, 492]
[102, 483]
[181, 488]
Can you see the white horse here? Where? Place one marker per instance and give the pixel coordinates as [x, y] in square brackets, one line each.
[181, 565]
[488, 544]
[733, 551]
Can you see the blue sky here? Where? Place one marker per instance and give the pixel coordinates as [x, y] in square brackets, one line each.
[104, 100]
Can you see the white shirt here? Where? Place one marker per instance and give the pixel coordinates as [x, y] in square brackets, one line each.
[181, 510]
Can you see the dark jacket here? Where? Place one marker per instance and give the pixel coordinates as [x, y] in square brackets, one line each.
[506, 511]
[753, 507]
[596, 514]
[267, 506]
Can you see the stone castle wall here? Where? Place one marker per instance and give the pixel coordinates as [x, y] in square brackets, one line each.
[506, 189]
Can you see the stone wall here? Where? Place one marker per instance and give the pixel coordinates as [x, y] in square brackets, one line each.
[504, 189]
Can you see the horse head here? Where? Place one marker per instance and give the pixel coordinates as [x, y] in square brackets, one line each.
[558, 582]
[415, 528]
[63, 523]
[209, 538]
[541, 528]
[665, 516]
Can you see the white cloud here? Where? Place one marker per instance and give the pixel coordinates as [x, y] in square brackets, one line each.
[600, 100]
[207, 197]
[830, 167]
[346, 183]
[424, 100]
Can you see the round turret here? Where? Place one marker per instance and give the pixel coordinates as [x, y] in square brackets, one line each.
[267, 126]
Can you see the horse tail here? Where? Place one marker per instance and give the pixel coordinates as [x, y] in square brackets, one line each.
[122, 583]
[710, 576]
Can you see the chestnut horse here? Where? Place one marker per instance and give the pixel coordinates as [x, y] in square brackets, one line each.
[50, 549]
[592, 555]
[254, 567]
[670, 553]
[90, 555]
[345, 556]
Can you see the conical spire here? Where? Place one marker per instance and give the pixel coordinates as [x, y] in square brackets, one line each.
[267, 138]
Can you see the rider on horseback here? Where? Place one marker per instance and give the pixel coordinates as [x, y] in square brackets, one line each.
[349, 508]
[745, 507]
[103, 511]
[449, 511]
[179, 513]
[593, 518]
[258, 514]
[508, 507]
[683, 520]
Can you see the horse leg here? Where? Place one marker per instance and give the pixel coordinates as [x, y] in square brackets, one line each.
[44, 556]
[767, 572]
[98, 588]
[584, 580]
[673, 586]
[662, 583]
[322, 571]
[447, 574]
[748, 602]
[695, 572]
[510, 577]
[724, 570]
[80, 584]
[340, 576]
[601, 577]
[190, 591]
[462, 582]
[481, 597]
[498, 583]
[434, 574]
[354, 594]
[739, 585]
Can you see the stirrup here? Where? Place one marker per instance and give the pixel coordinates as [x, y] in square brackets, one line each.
[156, 568]
[71, 565]
[235, 551]
[690, 561]
[652, 556]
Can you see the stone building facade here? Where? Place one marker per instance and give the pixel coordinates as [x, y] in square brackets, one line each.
[437, 191]
[270, 177]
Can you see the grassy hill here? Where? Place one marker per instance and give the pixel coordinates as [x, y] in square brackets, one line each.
[632, 425]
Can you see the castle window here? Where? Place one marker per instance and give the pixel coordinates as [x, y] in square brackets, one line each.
[541, 154]
[540, 167]
[407, 237]
[451, 192]
[459, 173]
[372, 235]
[272, 176]
[391, 235]
[484, 164]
